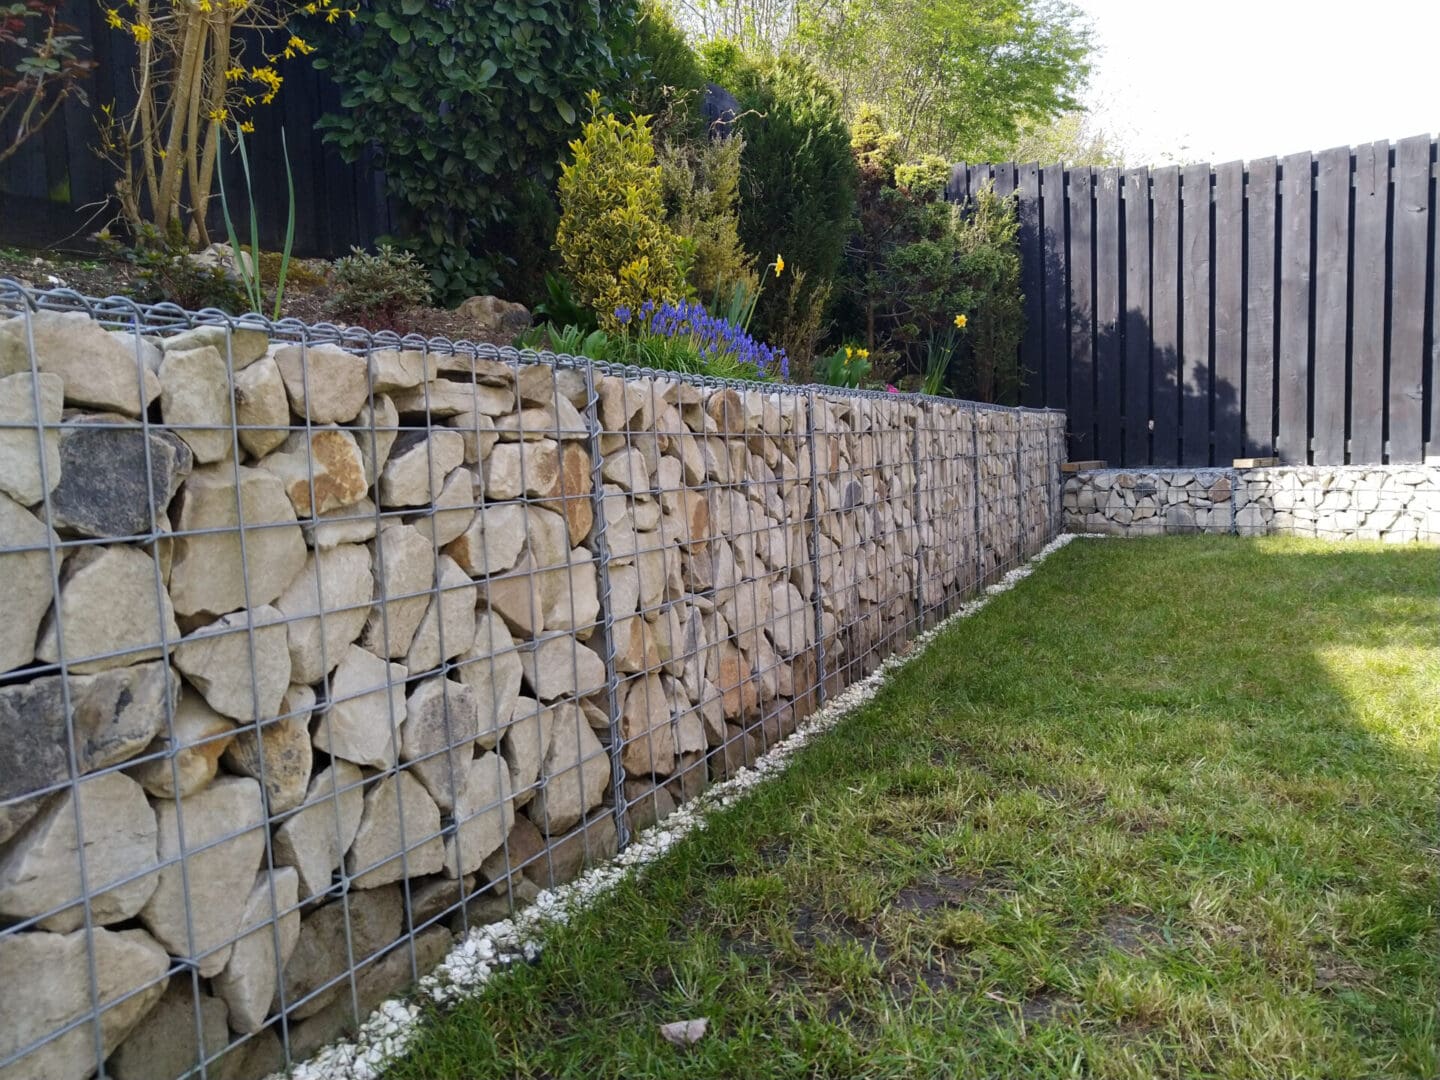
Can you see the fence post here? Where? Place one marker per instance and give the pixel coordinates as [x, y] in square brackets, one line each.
[815, 555]
[601, 546]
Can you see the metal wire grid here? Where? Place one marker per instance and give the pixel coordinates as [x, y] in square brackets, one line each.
[668, 574]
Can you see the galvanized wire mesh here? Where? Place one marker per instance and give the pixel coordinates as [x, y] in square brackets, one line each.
[323, 646]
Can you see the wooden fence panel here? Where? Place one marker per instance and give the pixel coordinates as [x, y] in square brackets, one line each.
[1082, 313]
[1407, 300]
[1165, 305]
[1227, 379]
[1108, 345]
[1296, 189]
[1332, 280]
[1136, 208]
[1195, 315]
[1367, 292]
[1260, 309]
[1054, 269]
[1032, 345]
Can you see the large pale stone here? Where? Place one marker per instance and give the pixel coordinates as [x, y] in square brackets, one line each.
[376, 429]
[224, 840]
[529, 469]
[560, 667]
[442, 398]
[448, 628]
[353, 525]
[363, 924]
[322, 470]
[279, 757]
[242, 346]
[400, 369]
[576, 772]
[324, 382]
[195, 401]
[627, 469]
[419, 461]
[196, 738]
[21, 439]
[400, 819]
[404, 567]
[478, 431]
[104, 489]
[483, 815]
[208, 575]
[792, 620]
[248, 983]
[40, 871]
[328, 604]
[45, 985]
[315, 838]
[164, 1043]
[645, 728]
[27, 593]
[367, 707]
[539, 384]
[492, 669]
[438, 736]
[452, 510]
[557, 419]
[571, 495]
[524, 746]
[492, 540]
[240, 662]
[571, 597]
[112, 601]
[99, 370]
[517, 597]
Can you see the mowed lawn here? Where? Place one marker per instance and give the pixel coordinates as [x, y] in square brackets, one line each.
[1168, 809]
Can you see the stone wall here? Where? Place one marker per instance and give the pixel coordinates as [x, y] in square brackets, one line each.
[318, 650]
[1394, 503]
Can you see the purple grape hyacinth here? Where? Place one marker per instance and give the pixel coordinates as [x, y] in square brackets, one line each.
[712, 336]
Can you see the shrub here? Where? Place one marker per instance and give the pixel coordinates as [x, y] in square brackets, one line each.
[988, 242]
[169, 273]
[701, 184]
[613, 241]
[374, 289]
[667, 334]
[664, 80]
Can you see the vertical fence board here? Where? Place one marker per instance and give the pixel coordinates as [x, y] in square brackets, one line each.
[1260, 309]
[1032, 380]
[1005, 179]
[959, 188]
[1082, 314]
[1332, 280]
[1227, 378]
[1407, 299]
[1195, 315]
[1165, 304]
[1367, 328]
[1292, 439]
[1136, 449]
[1108, 343]
[1057, 287]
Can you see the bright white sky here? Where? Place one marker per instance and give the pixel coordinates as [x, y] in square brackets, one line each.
[1228, 79]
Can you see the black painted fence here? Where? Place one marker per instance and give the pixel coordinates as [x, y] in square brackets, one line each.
[1193, 315]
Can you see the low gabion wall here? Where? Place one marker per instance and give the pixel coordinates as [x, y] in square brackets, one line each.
[1394, 503]
[321, 647]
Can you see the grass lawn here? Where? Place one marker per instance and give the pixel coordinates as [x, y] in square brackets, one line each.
[1168, 809]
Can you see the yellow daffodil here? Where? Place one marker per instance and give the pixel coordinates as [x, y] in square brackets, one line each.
[960, 321]
[779, 264]
[864, 354]
[849, 352]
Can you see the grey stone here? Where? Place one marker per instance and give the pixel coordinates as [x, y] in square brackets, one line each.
[327, 606]
[113, 611]
[364, 923]
[107, 489]
[491, 668]
[496, 316]
[448, 628]
[560, 667]
[240, 662]
[248, 983]
[195, 401]
[399, 834]
[524, 746]
[438, 736]
[262, 408]
[483, 815]
[224, 841]
[453, 509]
[189, 750]
[576, 773]
[20, 459]
[418, 464]
[163, 1044]
[404, 569]
[280, 755]
[492, 540]
[99, 370]
[126, 962]
[27, 575]
[40, 870]
[367, 697]
[241, 346]
[324, 382]
[400, 369]
[315, 838]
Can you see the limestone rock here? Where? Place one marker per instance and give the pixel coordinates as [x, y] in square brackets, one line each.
[322, 470]
[419, 461]
[438, 736]
[27, 593]
[99, 370]
[524, 746]
[208, 575]
[540, 384]
[441, 398]
[399, 819]
[328, 604]
[247, 985]
[556, 419]
[376, 429]
[572, 492]
[483, 815]
[353, 525]
[104, 490]
[195, 401]
[491, 541]
[528, 469]
[365, 923]
[791, 620]
[571, 597]
[478, 431]
[224, 843]
[576, 773]
[518, 599]
[627, 469]
[197, 736]
[405, 571]
[240, 662]
[645, 727]
[496, 316]
[560, 667]
[314, 839]
[492, 669]
[126, 962]
[163, 1044]
[20, 462]
[40, 871]
[400, 369]
[279, 756]
[367, 698]
[324, 382]
[453, 509]
[108, 605]
[448, 628]
[241, 346]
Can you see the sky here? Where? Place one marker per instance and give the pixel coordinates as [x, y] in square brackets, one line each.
[1242, 79]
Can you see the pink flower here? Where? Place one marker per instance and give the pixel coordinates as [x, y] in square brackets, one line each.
[891, 389]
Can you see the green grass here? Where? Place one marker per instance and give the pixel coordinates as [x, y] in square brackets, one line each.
[1166, 810]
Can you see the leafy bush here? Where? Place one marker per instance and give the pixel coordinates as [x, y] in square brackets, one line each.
[797, 185]
[468, 107]
[613, 241]
[988, 242]
[848, 366]
[169, 272]
[701, 182]
[664, 78]
[376, 288]
[561, 308]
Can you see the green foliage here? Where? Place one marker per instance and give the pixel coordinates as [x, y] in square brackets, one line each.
[613, 241]
[1071, 138]
[848, 366]
[988, 243]
[924, 179]
[468, 107]
[638, 349]
[572, 340]
[561, 308]
[701, 182]
[169, 273]
[373, 289]
[797, 186]
[251, 269]
[665, 81]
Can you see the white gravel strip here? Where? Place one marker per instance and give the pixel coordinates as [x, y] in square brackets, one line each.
[487, 950]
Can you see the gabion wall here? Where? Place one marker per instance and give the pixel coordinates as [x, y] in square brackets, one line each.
[322, 647]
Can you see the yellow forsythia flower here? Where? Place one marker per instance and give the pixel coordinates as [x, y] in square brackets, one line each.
[960, 321]
[113, 20]
[140, 32]
[248, 127]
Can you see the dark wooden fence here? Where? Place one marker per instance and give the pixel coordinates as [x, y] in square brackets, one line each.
[56, 191]
[1190, 316]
